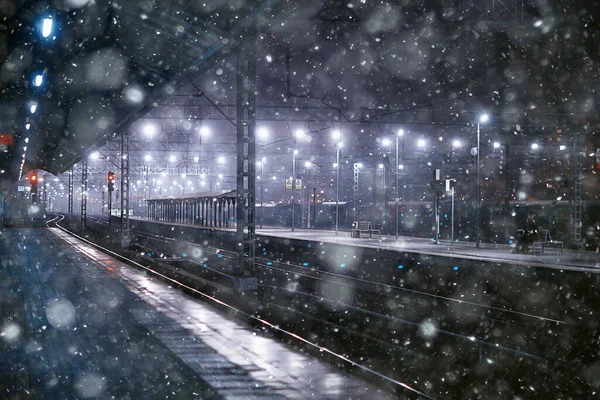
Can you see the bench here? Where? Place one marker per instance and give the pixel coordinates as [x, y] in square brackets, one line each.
[539, 246]
[361, 228]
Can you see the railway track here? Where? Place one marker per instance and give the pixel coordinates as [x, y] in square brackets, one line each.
[363, 320]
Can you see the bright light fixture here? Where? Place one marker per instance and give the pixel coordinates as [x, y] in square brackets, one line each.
[295, 152]
[456, 143]
[26, 140]
[535, 146]
[47, 27]
[173, 158]
[221, 160]
[386, 142]
[421, 143]
[149, 129]
[38, 80]
[483, 118]
[147, 158]
[336, 135]
[33, 108]
[496, 145]
[381, 166]
[401, 132]
[300, 134]
[95, 155]
[27, 126]
[263, 133]
[204, 131]
[562, 147]
[308, 164]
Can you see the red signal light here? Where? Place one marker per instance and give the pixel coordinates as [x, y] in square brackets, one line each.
[111, 176]
[33, 179]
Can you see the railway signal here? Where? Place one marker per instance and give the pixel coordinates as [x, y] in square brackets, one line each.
[33, 182]
[111, 181]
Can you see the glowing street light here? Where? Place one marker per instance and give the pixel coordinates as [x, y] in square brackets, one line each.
[496, 145]
[535, 146]
[300, 134]
[204, 131]
[172, 158]
[147, 158]
[421, 143]
[149, 129]
[47, 25]
[221, 160]
[262, 133]
[456, 144]
[38, 80]
[386, 142]
[33, 108]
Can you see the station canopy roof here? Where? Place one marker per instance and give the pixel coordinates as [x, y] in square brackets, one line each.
[209, 195]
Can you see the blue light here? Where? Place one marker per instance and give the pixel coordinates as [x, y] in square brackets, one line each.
[264, 253]
[342, 265]
[149, 254]
[220, 255]
[47, 25]
[184, 255]
[400, 266]
[445, 215]
[305, 264]
[455, 268]
[269, 263]
[309, 245]
[38, 80]
[510, 241]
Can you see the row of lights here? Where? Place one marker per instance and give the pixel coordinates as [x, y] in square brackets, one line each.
[47, 28]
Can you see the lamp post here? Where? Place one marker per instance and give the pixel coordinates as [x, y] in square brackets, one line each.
[398, 136]
[382, 168]
[308, 166]
[261, 164]
[337, 135]
[294, 154]
[484, 118]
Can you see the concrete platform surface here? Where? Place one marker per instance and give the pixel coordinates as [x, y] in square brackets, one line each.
[569, 259]
[77, 323]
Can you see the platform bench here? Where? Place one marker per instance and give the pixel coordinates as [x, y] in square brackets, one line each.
[539, 246]
[362, 229]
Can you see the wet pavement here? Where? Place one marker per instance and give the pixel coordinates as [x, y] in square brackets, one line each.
[77, 323]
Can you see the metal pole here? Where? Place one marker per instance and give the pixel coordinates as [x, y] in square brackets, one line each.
[436, 204]
[383, 202]
[293, 188]
[452, 217]
[397, 183]
[478, 205]
[262, 205]
[337, 187]
[307, 198]
[314, 208]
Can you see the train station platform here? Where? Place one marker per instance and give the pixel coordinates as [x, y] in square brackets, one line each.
[78, 323]
[552, 257]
